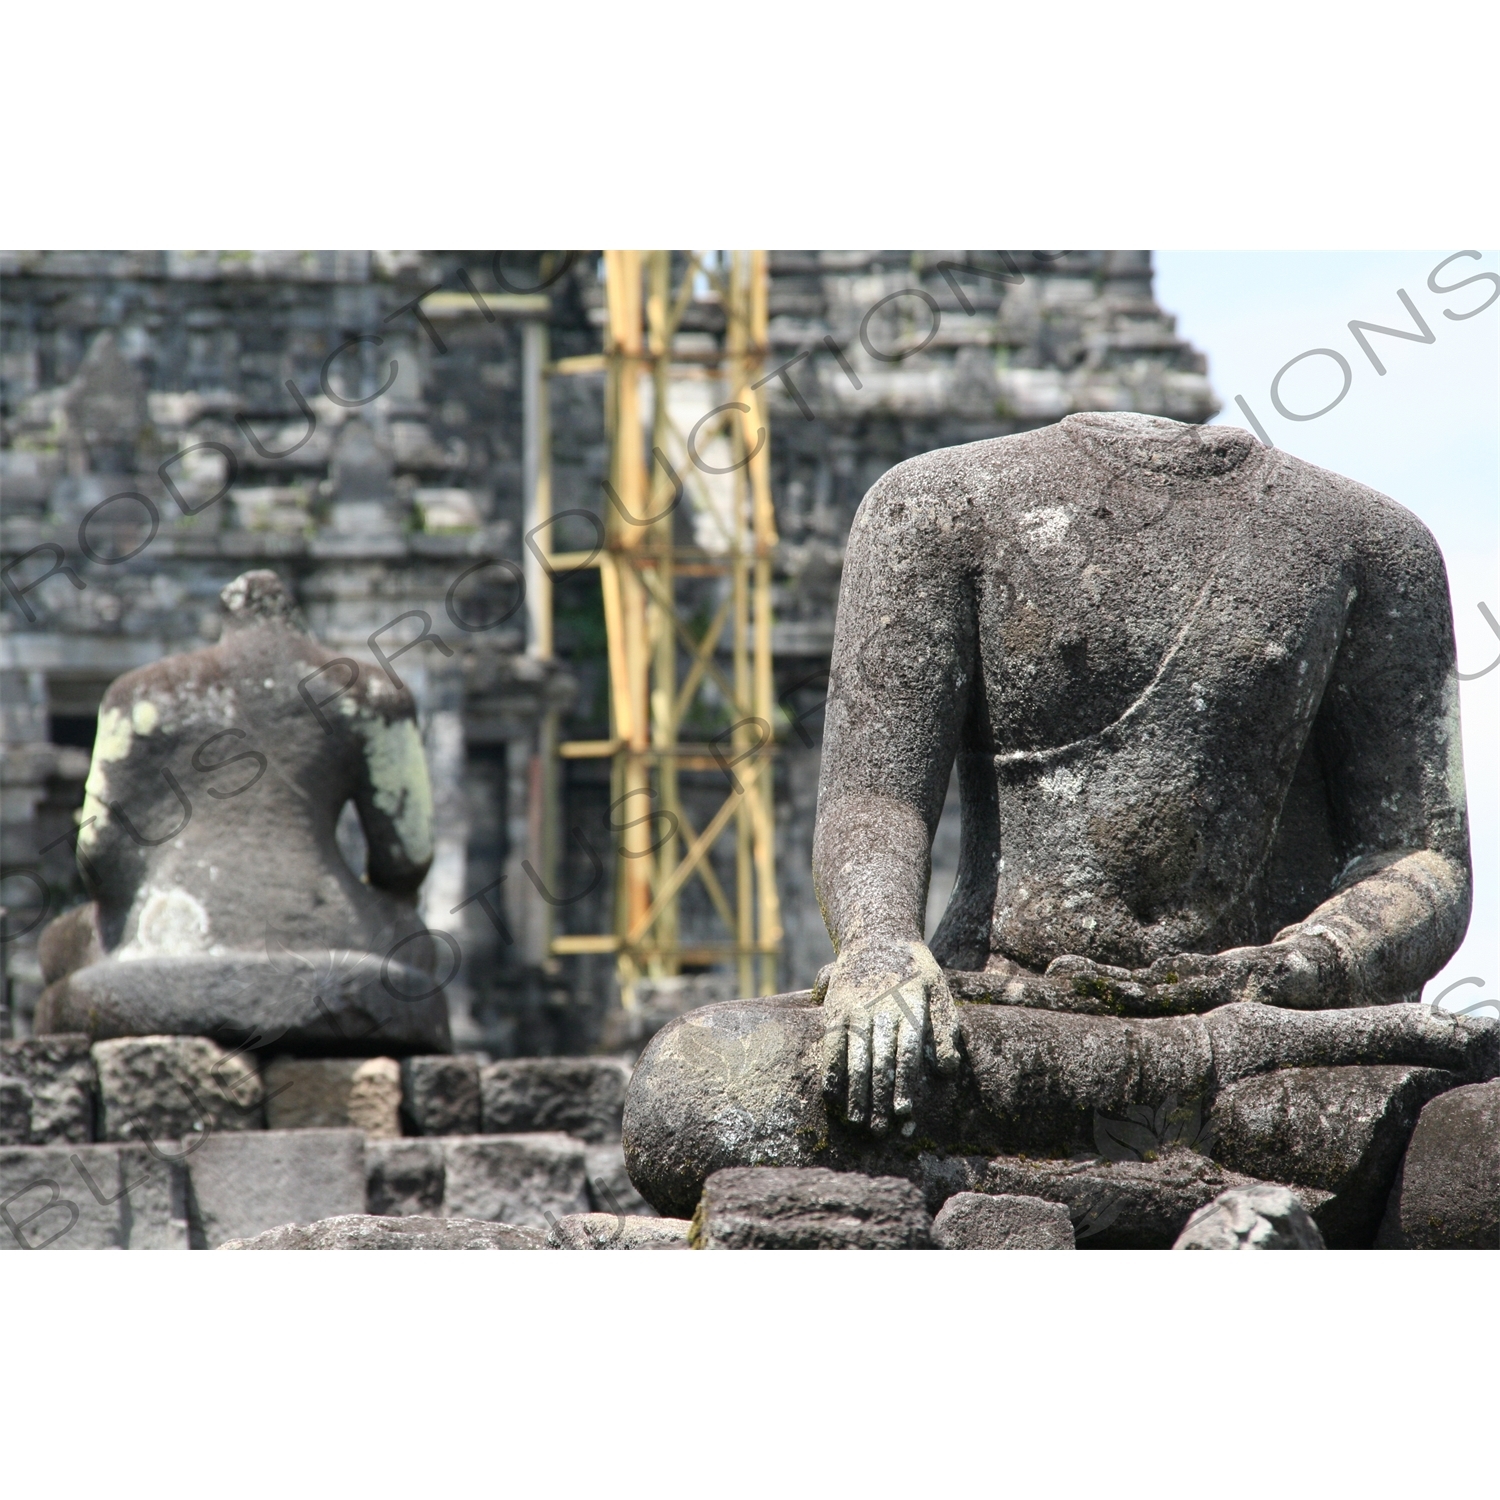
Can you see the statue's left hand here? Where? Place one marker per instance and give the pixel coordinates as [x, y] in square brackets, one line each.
[1299, 971]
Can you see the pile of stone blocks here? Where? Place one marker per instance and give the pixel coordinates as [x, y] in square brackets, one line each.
[173, 1142]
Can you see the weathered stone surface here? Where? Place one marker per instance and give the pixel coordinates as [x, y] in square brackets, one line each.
[364, 1232]
[375, 1098]
[1002, 1221]
[617, 1232]
[15, 1112]
[223, 907]
[514, 1179]
[1205, 690]
[59, 1075]
[240, 1185]
[404, 1176]
[1265, 1217]
[741, 1083]
[440, 1095]
[786, 1208]
[1339, 1129]
[314, 1002]
[174, 1087]
[105, 1197]
[334, 1092]
[1139, 642]
[1447, 1190]
[583, 1096]
[610, 1188]
[1113, 1205]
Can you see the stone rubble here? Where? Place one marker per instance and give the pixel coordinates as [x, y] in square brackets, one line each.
[1447, 1191]
[528, 1178]
[166, 1088]
[809, 1208]
[60, 1079]
[1001, 1221]
[440, 1095]
[1254, 1218]
[614, 1232]
[583, 1096]
[242, 1184]
[366, 1232]
[99, 1197]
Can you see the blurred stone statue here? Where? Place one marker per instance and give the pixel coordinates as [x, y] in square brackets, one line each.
[1203, 702]
[222, 904]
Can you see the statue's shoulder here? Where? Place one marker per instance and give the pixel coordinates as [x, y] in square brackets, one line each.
[967, 480]
[1371, 524]
[185, 673]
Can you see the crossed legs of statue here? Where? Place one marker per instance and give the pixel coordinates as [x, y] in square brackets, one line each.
[1310, 1097]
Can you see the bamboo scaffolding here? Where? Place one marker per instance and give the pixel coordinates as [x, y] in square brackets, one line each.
[658, 667]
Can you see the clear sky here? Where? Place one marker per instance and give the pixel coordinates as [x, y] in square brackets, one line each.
[1427, 433]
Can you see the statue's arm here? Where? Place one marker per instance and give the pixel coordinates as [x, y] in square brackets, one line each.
[1389, 741]
[393, 797]
[903, 663]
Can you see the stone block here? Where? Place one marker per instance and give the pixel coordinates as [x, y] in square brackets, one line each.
[440, 1095]
[15, 1112]
[79, 1197]
[375, 1098]
[1342, 1130]
[58, 1071]
[169, 1088]
[1113, 1205]
[581, 1096]
[1001, 1221]
[618, 1232]
[404, 1176]
[240, 1185]
[1447, 1190]
[1255, 1218]
[334, 1093]
[610, 1188]
[366, 1232]
[514, 1179]
[809, 1208]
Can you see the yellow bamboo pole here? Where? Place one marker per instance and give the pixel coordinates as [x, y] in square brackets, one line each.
[638, 572]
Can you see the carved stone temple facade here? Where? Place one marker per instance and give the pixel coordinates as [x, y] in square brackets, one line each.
[172, 420]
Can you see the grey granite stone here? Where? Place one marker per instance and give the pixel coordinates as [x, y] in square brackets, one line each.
[1447, 1190]
[603, 1231]
[787, 1208]
[15, 1112]
[222, 906]
[366, 1232]
[104, 1197]
[1265, 1217]
[514, 1179]
[404, 1176]
[1342, 1130]
[59, 1074]
[440, 1095]
[1001, 1221]
[583, 1096]
[174, 1087]
[333, 1092]
[240, 1185]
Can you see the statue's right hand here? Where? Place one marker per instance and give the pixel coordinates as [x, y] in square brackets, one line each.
[885, 1003]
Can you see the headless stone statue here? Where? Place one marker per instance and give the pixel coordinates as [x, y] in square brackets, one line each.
[222, 905]
[1203, 702]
